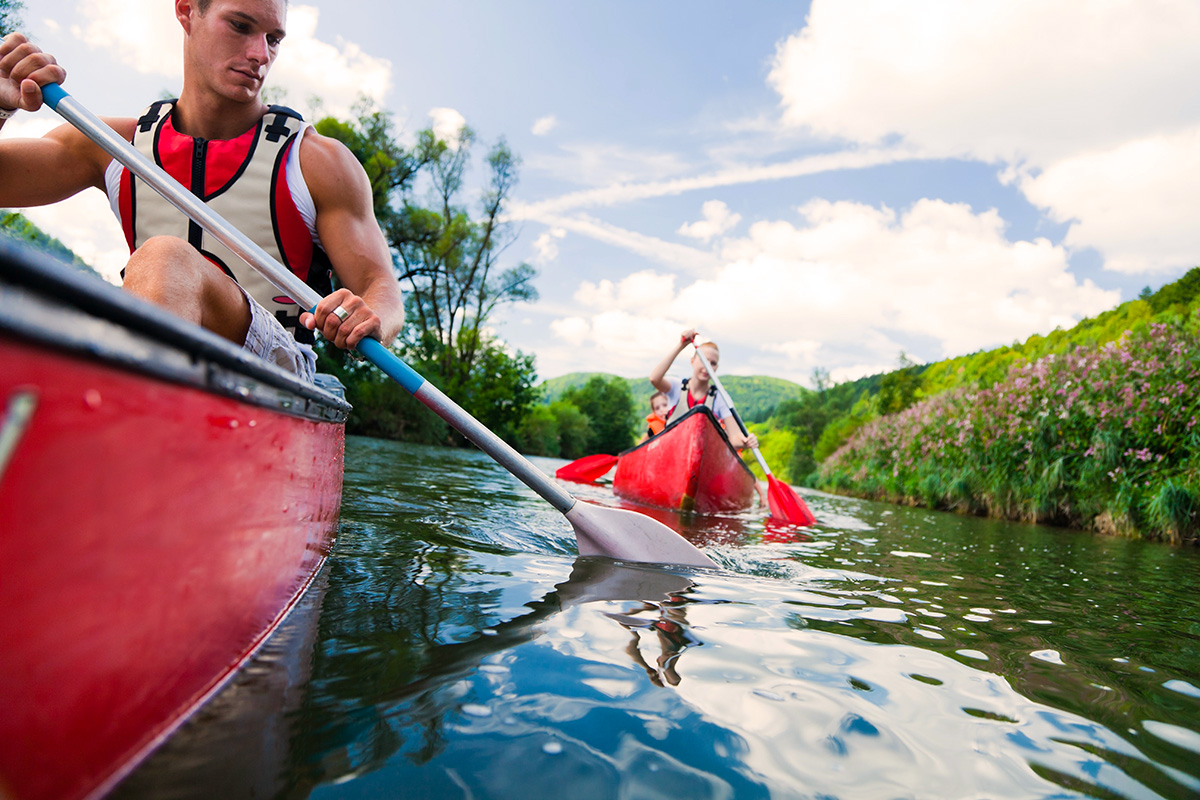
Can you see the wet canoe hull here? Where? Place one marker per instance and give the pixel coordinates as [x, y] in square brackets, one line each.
[162, 508]
[690, 466]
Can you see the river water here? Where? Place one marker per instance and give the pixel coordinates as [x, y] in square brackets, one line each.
[455, 648]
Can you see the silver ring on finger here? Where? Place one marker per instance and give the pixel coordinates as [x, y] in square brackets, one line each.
[341, 313]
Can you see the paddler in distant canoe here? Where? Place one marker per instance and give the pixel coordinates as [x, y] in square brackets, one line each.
[656, 420]
[300, 196]
[700, 390]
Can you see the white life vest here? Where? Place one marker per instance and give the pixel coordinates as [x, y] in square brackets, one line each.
[242, 179]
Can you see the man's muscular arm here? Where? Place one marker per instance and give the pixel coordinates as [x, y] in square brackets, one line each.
[35, 172]
[351, 237]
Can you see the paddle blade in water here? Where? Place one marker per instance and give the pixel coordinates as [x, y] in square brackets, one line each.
[627, 535]
[587, 469]
[786, 505]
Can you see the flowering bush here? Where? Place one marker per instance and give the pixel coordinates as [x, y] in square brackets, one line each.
[1102, 437]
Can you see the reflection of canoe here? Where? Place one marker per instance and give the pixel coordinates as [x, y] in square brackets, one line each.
[690, 466]
[164, 502]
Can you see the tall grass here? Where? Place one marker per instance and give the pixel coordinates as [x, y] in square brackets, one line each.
[1104, 437]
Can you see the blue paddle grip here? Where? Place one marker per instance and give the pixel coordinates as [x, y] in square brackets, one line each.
[387, 361]
[52, 94]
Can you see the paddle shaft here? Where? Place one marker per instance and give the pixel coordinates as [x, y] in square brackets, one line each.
[291, 285]
[712, 375]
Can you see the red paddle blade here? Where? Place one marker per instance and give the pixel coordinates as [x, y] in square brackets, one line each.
[586, 469]
[786, 505]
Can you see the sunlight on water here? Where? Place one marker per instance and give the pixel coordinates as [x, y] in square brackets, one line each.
[461, 650]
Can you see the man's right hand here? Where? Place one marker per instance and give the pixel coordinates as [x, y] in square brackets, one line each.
[24, 70]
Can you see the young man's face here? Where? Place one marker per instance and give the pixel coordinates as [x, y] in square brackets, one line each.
[699, 373]
[659, 406]
[231, 46]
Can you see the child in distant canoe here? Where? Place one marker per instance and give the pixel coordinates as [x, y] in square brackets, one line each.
[699, 387]
[656, 420]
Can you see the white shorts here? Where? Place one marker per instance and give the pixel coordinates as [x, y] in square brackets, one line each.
[270, 341]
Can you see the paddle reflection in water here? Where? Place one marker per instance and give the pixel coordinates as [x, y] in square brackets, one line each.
[889, 653]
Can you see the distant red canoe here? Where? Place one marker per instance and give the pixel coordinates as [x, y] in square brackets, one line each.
[690, 466]
[164, 502]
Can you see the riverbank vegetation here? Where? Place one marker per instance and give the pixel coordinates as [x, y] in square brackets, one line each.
[1096, 427]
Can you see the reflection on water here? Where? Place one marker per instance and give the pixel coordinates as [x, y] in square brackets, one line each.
[463, 651]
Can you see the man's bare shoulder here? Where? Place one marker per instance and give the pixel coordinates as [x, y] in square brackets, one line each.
[331, 170]
[319, 152]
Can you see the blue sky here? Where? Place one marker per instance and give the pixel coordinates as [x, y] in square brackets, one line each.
[817, 185]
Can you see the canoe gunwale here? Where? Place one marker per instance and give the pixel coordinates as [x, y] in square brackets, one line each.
[690, 466]
[46, 302]
[691, 412]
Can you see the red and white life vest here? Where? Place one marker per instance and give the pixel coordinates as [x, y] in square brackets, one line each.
[242, 179]
[686, 400]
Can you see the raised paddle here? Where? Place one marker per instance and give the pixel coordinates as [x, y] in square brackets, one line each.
[587, 469]
[602, 531]
[782, 499]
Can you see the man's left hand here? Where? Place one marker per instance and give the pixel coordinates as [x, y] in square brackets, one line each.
[343, 318]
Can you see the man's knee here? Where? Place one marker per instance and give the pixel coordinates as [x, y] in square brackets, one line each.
[162, 257]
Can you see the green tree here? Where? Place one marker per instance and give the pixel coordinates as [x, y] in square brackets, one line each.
[447, 260]
[537, 434]
[499, 390]
[10, 16]
[608, 405]
[450, 261]
[574, 429]
[899, 389]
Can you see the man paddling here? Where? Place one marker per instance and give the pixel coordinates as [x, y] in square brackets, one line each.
[699, 388]
[300, 196]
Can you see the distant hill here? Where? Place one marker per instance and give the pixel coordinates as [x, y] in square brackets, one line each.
[755, 396]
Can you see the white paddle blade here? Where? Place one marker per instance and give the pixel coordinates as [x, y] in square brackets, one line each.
[629, 536]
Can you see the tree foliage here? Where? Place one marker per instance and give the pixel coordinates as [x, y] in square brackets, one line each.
[608, 406]
[10, 16]
[559, 429]
[451, 261]
[448, 259]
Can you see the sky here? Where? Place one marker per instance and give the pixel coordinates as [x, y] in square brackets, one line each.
[811, 185]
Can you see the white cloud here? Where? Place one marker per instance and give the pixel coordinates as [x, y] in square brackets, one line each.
[1076, 90]
[717, 219]
[339, 74]
[603, 164]
[546, 246]
[618, 192]
[848, 284]
[447, 125]
[142, 34]
[145, 35]
[544, 125]
[642, 292]
[996, 79]
[1137, 203]
[649, 247]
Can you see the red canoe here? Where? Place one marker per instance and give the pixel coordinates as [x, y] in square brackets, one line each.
[164, 502]
[690, 466]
